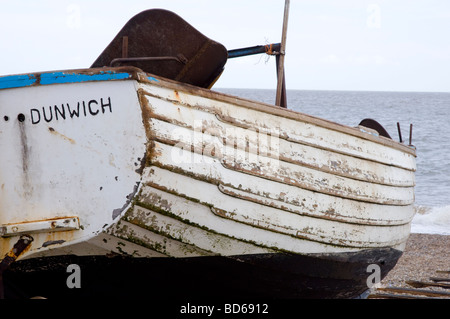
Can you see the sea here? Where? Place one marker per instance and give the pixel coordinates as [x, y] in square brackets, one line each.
[429, 114]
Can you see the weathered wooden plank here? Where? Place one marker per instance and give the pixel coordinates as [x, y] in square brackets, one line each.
[156, 226]
[269, 218]
[443, 271]
[397, 296]
[174, 92]
[421, 292]
[308, 201]
[183, 159]
[208, 134]
[287, 173]
[196, 213]
[157, 242]
[290, 130]
[290, 198]
[438, 279]
[420, 284]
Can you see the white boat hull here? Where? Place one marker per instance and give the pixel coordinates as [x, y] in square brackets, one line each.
[115, 161]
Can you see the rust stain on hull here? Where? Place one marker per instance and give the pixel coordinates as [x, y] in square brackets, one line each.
[56, 133]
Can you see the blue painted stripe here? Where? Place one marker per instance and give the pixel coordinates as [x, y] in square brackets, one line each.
[151, 78]
[23, 80]
[62, 77]
[14, 81]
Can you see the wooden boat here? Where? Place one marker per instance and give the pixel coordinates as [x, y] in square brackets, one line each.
[157, 187]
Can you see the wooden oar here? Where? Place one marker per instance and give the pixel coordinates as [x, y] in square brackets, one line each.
[413, 293]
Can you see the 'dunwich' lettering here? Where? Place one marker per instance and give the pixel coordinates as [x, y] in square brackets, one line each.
[66, 111]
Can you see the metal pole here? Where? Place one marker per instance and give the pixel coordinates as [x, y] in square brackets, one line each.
[271, 49]
[282, 54]
[410, 134]
[399, 132]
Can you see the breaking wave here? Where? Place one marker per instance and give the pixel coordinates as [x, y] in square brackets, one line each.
[431, 220]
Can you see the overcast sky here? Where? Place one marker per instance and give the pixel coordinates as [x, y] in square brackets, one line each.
[393, 45]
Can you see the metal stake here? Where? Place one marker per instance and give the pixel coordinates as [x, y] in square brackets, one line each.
[410, 134]
[399, 132]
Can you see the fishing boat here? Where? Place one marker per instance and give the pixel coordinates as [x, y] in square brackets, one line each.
[135, 179]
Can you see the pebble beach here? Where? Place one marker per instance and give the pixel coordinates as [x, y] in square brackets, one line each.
[423, 256]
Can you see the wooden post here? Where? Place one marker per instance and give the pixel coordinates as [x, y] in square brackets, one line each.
[281, 59]
[283, 99]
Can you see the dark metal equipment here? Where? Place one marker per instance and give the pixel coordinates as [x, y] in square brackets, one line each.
[22, 244]
[162, 43]
[370, 123]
